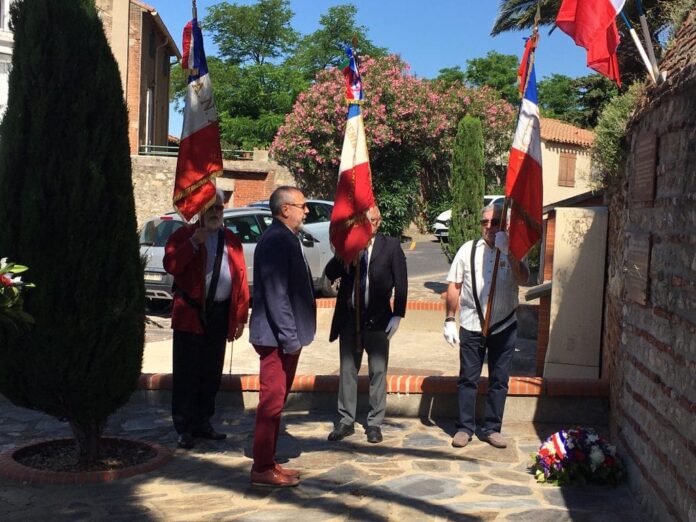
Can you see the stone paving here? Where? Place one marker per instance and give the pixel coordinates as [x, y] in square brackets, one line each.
[414, 475]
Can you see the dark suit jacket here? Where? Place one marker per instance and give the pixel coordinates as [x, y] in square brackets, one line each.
[284, 312]
[387, 272]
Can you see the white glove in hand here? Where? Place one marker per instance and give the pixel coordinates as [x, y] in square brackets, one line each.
[392, 327]
[450, 333]
[502, 242]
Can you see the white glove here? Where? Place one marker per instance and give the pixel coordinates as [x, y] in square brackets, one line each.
[502, 242]
[392, 327]
[450, 333]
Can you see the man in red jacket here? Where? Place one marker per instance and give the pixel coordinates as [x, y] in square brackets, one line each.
[211, 305]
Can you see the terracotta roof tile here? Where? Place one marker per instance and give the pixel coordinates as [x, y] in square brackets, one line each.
[561, 132]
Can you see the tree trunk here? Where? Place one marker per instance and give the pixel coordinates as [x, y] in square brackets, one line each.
[87, 435]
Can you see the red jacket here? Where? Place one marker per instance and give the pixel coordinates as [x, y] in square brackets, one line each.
[188, 268]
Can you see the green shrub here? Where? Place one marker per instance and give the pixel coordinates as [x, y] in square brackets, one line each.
[468, 184]
[67, 211]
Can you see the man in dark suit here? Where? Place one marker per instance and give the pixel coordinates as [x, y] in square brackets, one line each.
[283, 320]
[367, 325]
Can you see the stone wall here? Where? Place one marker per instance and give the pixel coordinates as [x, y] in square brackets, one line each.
[251, 179]
[650, 308]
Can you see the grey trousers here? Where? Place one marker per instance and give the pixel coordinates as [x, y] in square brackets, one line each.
[376, 344]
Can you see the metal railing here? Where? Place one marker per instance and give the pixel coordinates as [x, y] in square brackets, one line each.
[173, 150]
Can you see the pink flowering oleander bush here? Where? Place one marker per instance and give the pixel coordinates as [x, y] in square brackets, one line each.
[410, 124]
[577, 456]
[11, 285]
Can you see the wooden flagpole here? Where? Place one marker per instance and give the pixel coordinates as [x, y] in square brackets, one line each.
[503, 218]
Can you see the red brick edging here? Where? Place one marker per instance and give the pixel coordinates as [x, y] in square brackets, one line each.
[417, 384]
[13, 470]
[330, 302]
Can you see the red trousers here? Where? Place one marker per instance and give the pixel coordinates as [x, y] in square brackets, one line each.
[276, 373]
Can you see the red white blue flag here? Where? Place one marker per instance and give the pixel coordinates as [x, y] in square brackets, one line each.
[559, 444]
[200, 156]
[523, 183]
[350, 230]
[592, 25]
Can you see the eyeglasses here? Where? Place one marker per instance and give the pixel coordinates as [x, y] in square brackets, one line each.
[376, 220]
[495, 222]
[303, 206]
[217, 207]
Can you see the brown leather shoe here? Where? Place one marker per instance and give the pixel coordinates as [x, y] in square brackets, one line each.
[273, 478]
[461, 439]
[494, 438]
[287, 471]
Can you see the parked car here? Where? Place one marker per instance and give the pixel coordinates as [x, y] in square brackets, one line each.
[248, 223]
[317, 226]
[442, 221]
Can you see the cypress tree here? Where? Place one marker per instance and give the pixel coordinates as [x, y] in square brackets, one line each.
[67, 211]
[468, 184]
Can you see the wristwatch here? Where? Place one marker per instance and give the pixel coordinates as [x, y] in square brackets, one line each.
[450, 319]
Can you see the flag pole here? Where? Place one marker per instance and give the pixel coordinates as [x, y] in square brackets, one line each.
[503, 218]
[194, 9]
[648, 41]
[358, 276]
[639, 46]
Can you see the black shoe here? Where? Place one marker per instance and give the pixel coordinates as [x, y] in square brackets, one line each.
[341, 431]
[185, 441]
[374, 434]
[207, 432]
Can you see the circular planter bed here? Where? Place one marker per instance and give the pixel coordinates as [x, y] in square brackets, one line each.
[54, 461]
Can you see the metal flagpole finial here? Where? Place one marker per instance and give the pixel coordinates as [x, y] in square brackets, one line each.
[194, 9]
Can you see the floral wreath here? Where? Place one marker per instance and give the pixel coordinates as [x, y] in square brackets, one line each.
[577, 456]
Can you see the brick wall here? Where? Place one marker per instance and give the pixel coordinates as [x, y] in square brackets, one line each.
[650, 307]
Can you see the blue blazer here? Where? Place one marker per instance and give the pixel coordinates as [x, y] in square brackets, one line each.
[284, 312]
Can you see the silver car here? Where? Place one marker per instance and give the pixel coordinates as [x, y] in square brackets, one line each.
[248, 224]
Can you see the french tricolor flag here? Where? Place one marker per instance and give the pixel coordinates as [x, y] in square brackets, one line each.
[558, 440]
[524, 182]
[200, 155]
[350, 230]
[592, 25]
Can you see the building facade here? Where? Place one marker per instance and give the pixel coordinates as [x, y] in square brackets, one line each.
[6, 45]
[565, 155]
[144, 50]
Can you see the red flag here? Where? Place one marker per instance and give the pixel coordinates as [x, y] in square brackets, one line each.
[523, 182]
[350, 230]
[591, 24]
[200, 156]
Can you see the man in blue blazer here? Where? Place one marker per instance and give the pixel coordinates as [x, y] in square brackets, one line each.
[367, 325]
[283, 320]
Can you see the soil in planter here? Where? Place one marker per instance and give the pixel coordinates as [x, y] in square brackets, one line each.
[62, 455]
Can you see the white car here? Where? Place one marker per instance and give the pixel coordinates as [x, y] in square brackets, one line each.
[248, 224]
[442, 221]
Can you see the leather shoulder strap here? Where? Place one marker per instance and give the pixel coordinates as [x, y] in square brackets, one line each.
[472, 266]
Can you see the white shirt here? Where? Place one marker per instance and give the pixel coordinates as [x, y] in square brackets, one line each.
[506, 290]
[367, 279]
[223, 290]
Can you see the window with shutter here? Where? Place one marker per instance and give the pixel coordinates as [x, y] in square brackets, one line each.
[566, 170]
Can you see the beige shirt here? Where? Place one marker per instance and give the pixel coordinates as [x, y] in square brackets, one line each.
[506, 289]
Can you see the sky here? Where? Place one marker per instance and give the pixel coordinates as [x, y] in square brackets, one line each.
[428, 35]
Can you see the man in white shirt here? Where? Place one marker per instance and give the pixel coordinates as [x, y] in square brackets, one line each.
[470, 291]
